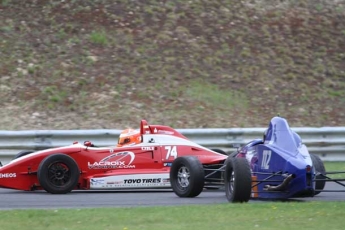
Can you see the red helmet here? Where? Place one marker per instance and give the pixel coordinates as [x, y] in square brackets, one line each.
[129, 137]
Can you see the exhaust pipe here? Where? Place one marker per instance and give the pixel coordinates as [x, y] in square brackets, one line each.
[281, 187]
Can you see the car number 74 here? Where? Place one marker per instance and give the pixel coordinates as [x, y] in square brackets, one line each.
[171, 152]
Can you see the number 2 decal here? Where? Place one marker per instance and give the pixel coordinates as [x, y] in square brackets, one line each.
[266, 157]
[171, 152]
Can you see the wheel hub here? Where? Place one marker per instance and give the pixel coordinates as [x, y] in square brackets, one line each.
[58, 174]
[232, 181]
[183, 177]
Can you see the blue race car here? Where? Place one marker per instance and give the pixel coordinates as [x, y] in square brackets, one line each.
[278, 166]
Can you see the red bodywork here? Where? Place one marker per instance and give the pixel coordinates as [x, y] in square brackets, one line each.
[145, 165]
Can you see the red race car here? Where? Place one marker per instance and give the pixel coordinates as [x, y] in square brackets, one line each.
[140, 160]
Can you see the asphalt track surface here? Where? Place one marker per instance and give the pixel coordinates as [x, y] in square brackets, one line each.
[13, 199]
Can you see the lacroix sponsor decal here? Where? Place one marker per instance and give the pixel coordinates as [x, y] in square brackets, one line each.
[116, 160]
[109, 165]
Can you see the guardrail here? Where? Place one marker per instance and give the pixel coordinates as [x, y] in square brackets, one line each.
[327, 142]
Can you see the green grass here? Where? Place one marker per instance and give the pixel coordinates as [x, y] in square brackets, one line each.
[5, 2]
[99, 37]
[253, 215]
[211, 94]
[335, 166]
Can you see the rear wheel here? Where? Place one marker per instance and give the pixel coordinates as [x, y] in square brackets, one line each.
[22, 153]
[187, 176]
[58, 174]
[219, 151]
[320, 172]
[238, 180]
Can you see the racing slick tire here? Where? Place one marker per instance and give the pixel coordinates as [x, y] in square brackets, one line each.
[58, 173]
[187, 176]
[238, 180]
[320, 171]
[22, 153]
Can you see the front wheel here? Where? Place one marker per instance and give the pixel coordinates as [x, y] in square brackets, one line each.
[187, 176]
[58, 173]
[320, 172]
[238, 180]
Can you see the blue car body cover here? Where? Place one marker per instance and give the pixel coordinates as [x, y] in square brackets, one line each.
[275, 157]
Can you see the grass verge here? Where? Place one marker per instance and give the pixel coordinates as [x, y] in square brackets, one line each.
[270, 215]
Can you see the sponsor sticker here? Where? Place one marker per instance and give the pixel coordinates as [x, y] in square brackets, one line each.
[147, 148]
[143, 181]
[95, 181]
[132, 181]
[113, 161]
[165, 132]
[8, 175]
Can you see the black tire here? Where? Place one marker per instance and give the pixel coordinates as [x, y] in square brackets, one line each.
[320, 171]
[231, 156]
[238, 180]
[58, 174]
[22, 153]
[219, 151]
[187, 176]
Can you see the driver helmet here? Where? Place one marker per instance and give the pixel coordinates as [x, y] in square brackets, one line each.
[129, 137]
